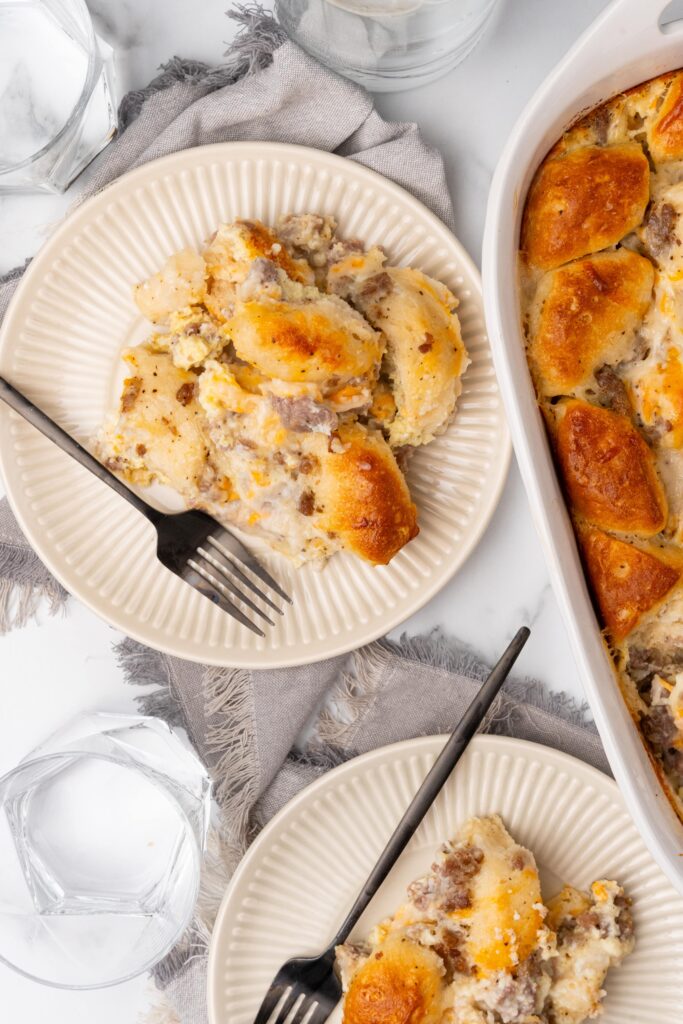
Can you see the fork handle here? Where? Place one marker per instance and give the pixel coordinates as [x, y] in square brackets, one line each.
[42, 422]
[440, 771]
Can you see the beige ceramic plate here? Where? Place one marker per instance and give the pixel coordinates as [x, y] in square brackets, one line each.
[299, 878]
[60, 343]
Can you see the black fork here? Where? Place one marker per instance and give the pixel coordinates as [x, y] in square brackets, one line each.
[309, 986]
[190, 544]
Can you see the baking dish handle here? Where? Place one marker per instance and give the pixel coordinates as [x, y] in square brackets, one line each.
[633, 22]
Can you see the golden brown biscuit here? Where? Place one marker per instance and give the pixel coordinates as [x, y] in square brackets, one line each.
[623, 468]
[585, 314]
[584, 201]
[401, 983]
[627, 581]
[364, 497]
[609, 470]
[665, 130]
[308, 341]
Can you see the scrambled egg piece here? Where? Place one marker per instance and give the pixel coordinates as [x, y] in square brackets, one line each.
[274, 390]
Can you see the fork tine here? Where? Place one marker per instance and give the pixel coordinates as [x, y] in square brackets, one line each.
[228, 582]
[234, 568]
[217, 597]
[321, 1013]
[304, 1010]
[238, 550]
[270, 1001]
[291, 999]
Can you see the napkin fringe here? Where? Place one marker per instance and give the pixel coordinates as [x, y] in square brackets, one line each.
[438, 650]
[358, 687]
[219, 862]
[258, 38]
[230, 725]
[352, 696]
[143, 666]
[13, 275]
[21, 592]
[251, 50]
[231, 737]
[162, 1012]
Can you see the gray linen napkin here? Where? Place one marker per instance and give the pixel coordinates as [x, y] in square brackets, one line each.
[245, 724]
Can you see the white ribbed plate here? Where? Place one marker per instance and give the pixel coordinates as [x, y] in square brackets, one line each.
[60, 343]
[299, 878]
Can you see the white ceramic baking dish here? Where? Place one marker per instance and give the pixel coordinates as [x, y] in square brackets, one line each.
[623, 47]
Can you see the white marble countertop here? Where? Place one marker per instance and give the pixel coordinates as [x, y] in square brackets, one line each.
[58, 666]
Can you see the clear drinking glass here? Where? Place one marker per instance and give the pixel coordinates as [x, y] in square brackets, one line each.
[102, 829]
[57, 101]
[387, 45]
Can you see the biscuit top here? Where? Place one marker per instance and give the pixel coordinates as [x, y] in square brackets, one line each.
[608, 469]
[628, 581]
[585, 314]
[584, 201]
[364, 497]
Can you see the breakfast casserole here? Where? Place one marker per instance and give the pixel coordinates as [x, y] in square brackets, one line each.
[475, 943]
[601, 282]
[289, 374]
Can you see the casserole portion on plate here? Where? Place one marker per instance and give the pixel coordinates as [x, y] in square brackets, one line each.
[601, 280]
[474, 943]
[288, 375]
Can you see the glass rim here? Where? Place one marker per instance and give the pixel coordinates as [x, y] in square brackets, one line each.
[196, 853]
[81, 102]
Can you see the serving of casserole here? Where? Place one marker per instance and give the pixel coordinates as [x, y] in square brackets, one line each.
[475, 943]
[290, 374]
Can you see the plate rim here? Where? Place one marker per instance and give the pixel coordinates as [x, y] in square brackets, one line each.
[425, 744]
[264, 150]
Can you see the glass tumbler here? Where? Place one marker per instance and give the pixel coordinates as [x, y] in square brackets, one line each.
[102, 829]
[387, 45]
[57, 101]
